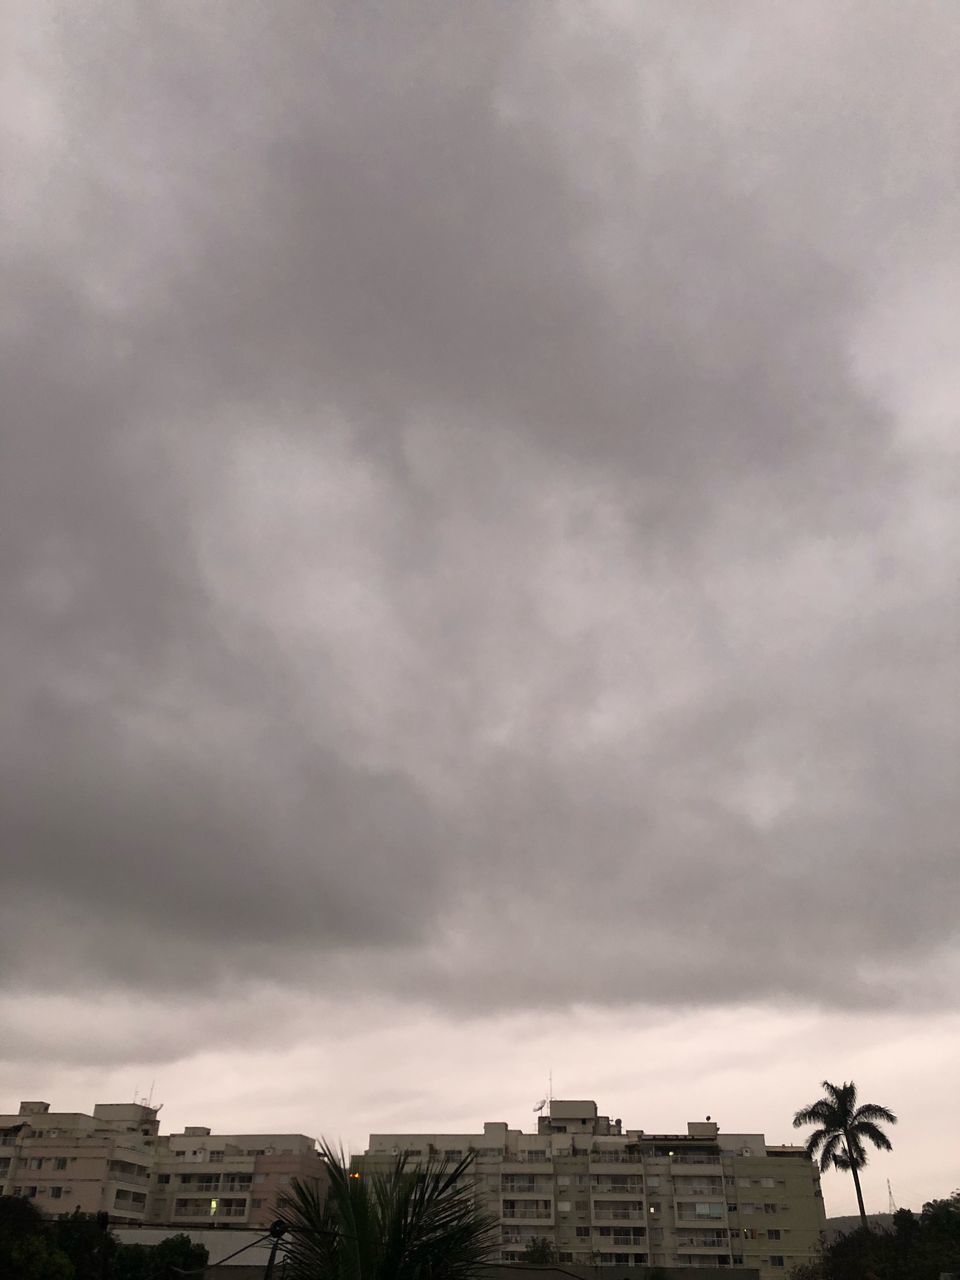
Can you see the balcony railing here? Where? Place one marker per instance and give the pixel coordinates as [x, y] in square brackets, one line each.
[617, 1215]
[519, 1214]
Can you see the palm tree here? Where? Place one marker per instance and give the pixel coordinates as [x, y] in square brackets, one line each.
[843, 1126]
[416, 1222]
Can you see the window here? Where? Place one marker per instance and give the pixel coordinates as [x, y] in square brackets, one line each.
[565, 1257]
[216, 1157]
[31, 1192]
[36, 1162]
[743, 1182]
[583, 1231]
[776, 1260]
[60, 1162]
[773, 1234]
[769, 1208]
[56, 1193]
[163, 1178]
[767, 1182]
[256, 1204]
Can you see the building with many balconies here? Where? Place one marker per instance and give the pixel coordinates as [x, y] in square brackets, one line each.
[603, 1196]
[117, 1162]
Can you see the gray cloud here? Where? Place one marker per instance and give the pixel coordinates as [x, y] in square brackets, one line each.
[453, 545]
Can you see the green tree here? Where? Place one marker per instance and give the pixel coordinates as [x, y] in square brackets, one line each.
[154, 1262]
[88, 1242]
[27, 1250]
[539, 1251]
[842, 1129]
[412, 1223]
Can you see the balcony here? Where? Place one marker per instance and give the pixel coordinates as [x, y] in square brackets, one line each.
[616, 1213]
[680, 1162]
[713, 1243]
[527, 1211]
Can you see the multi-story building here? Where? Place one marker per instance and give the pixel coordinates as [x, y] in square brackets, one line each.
[67, 1160]
[604, 1196]
[116, 1161]
[240, 1179]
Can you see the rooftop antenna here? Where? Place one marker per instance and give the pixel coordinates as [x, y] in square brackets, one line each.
[149, 1099]
[891, 1203]
[551, 1084]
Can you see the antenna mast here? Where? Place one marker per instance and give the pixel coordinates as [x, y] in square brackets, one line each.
[891, 1203]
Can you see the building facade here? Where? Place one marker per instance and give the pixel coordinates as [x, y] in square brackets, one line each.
[116, 1161]
[605, 1196]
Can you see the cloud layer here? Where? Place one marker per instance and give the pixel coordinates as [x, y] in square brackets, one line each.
[479, 520]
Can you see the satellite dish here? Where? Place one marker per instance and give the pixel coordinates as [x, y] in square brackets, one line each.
[540, 1105]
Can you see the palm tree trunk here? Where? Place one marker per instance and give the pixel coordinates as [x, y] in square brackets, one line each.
[856, 1183]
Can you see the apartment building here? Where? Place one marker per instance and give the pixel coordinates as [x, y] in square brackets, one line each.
[68, 1160]
[239, 1180]
[605, 1196]
[116, 1161]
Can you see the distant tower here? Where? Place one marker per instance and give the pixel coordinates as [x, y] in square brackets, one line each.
[891, 1203]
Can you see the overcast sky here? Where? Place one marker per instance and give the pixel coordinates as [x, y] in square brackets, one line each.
[479, 550]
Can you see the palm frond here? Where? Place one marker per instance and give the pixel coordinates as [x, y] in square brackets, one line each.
[867, 1129]
[873, 1111]
[830, 1150]
[408, 1223]
[313, 1238]
[819, 1112]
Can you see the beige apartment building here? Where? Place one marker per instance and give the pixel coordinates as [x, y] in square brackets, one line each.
[605, 1196]
[116, 1161]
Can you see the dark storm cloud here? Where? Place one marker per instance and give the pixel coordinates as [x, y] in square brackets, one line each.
[445, 543]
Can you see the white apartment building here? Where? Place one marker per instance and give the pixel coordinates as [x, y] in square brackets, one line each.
[117, 1162]
[605, 1196]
